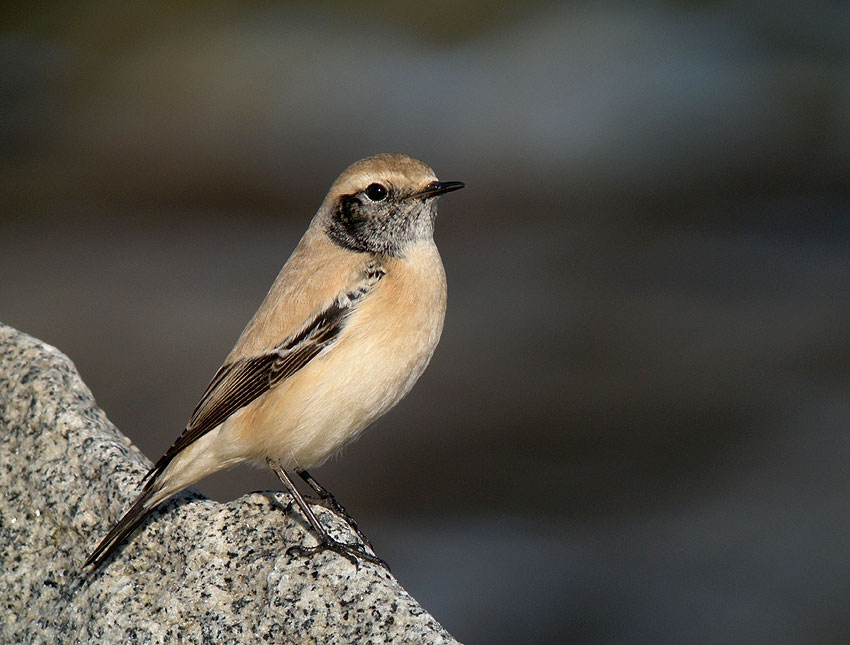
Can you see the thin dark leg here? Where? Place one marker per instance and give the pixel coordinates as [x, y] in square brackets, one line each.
[326, 543]
[327, 499]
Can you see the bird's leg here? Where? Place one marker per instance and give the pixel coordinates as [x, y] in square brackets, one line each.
[326, 543]
[327, 499]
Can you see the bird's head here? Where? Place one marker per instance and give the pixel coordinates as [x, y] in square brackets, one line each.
[382, 204]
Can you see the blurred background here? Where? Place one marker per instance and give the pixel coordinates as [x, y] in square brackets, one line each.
[635, 427]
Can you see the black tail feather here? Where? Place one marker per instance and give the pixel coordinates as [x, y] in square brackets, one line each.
[126, 525]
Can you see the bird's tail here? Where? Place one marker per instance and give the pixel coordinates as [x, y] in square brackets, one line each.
[140, 509]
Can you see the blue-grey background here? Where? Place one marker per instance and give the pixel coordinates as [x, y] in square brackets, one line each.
[635, 428]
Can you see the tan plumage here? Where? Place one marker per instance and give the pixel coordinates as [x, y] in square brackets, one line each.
[345, 331]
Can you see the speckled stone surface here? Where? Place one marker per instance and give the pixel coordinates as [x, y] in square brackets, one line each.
[197, 571]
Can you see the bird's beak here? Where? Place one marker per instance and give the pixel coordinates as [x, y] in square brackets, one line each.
[438, 188]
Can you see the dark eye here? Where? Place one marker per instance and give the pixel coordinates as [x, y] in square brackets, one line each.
[376, 192]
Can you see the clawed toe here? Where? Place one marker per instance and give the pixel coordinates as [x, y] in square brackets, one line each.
[351, 552]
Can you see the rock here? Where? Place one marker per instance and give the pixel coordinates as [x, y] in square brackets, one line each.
[196, 571]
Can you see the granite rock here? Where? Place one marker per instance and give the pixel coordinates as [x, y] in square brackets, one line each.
[196, 571]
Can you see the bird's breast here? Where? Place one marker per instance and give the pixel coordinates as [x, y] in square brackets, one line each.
[394, 332]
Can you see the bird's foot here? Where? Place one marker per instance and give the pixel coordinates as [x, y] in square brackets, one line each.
[351, 552]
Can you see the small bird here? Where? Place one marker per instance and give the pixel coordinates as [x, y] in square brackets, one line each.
[347, 328]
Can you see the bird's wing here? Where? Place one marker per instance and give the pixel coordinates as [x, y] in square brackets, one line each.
[238, 383]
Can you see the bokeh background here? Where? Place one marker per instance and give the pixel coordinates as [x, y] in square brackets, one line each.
[635, 428]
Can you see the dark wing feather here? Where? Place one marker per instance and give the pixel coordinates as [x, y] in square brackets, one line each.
[237, 384]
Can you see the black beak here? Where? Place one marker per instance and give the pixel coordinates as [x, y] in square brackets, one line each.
[438, 188]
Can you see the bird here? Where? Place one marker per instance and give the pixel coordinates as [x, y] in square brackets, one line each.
[346, 329]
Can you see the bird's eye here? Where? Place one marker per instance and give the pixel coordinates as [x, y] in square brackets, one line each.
[376, 192]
